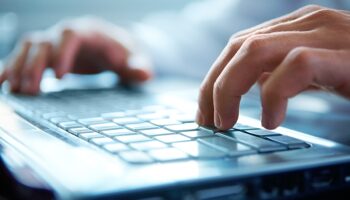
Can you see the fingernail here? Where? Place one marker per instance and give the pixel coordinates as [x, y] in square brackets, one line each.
[217, 120]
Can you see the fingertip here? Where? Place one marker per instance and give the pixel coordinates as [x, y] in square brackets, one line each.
[135, 75]
[199, 117]
[205, 106]
[59, 73]
[143, 74]
[2, 78]
[226, 111]
[14, 88]
[268, 123]
[272, 117]
[224, 122]
[217, 120]
[30, 86]
[14, 85]
[33, 91]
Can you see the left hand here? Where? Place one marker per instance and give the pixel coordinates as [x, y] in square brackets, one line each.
[305, 49]
[84, 45]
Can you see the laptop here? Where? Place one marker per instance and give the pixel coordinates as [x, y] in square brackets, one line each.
[143, 143]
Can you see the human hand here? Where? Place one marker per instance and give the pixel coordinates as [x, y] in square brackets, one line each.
[308, 48]
[86, 45]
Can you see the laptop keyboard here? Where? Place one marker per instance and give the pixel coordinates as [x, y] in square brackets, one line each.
[139, 131]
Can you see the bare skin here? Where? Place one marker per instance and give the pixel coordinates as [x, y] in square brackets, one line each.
[85, 46]
[308, 48]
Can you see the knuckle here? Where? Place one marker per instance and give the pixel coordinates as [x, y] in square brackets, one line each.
[255, 44]
[302, 59]
[232, 38]
[323, 13]
[312, 7]
[234, 42]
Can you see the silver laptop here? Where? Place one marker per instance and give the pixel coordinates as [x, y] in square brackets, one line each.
[143, 143]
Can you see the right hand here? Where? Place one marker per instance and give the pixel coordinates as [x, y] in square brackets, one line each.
[306, 49]
[85, 46]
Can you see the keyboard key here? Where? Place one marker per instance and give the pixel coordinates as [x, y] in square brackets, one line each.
[243, 127]
[263, 145]
[262, 133]
[233, 148]
[172, 138]
[292, 143]
[183, 117]
[116, 147]
[127, 120]
[153, 107]
[154, 132]
[136, 157]
[199, 150]
[94, 120]
[183, 127]
[168, 112]
[53, 114]
[148, 145]
[81, 115]
[167, 154]
[57, 120]
[135, 112]
[68, 125]
[132, 138]
[117, 132]
[88, 136]
[151, 116]
[141, 126]
[197, 134]
[101, 141]
[164, 122]
[112, 115]
[77, 131]
[104, 126]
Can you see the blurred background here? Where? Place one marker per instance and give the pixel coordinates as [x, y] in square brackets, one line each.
[19, 16]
